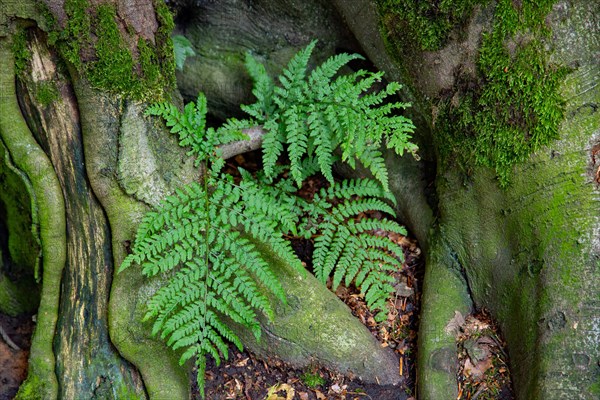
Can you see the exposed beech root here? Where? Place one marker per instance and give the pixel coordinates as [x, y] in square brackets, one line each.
[31, 159]
[162, 376]
[445, 295]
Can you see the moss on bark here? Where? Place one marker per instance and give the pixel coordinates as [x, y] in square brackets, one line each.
[161, 373]
[529, 251]
[110, 54]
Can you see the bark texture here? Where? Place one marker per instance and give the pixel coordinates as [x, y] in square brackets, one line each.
[273, 31]
[50, 209]
[88, 365]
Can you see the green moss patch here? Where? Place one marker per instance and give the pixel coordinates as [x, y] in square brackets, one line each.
[429, 21]
[46, 93]
[513, 107]
[98, 47]
[20, 51]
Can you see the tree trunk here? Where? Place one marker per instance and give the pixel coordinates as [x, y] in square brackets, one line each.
[529, 252]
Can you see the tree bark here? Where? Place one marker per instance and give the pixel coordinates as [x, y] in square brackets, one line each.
[528, 253]
[88, 365]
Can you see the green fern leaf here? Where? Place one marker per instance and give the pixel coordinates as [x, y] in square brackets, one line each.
[182, 49]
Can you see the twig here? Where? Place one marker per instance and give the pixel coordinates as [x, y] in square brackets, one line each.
[7, 340]
[481, 389]
[243, 146]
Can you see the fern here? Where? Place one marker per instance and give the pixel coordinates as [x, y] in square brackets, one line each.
[350, 250]
[205, 239]
[182, 49]
[314, 114]
[190, 126]
[347, 244]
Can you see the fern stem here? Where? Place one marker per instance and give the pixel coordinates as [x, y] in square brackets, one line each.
[206, 260]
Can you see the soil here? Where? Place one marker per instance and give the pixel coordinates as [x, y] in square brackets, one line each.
[13, 362]
[249, 378]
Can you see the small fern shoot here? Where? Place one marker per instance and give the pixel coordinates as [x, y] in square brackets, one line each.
[312, 114]
[190, 126]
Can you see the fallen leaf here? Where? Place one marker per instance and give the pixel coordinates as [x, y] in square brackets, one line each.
[242, 363]
[303, 395]
[320, 396]
[335, 388]
[477, 371]
[273, 395]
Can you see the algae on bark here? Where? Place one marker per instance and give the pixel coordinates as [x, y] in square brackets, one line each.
[31, 159]
[530, 252]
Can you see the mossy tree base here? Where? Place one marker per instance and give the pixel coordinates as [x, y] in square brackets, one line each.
[529, 252]
[49, 208]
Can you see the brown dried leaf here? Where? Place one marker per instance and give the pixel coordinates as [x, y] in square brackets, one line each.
[303, 395]
[455, 323]
[477, 371]
[273, 394]
[242, 363]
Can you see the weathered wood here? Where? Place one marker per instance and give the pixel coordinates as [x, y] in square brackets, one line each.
[32, 160]
[88, 365]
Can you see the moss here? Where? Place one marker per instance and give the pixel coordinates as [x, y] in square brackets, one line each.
[429, 22]
[101, 52]
[20, 51]
[48, 22]
[46, 93]
[164, 44]
[514, 107]
[76, 33]
[33, 389]
[312, 379]
[113, 70]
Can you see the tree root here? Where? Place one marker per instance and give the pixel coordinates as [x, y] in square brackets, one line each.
[7, 339]
[31, 159]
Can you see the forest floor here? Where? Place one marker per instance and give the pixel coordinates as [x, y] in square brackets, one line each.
[14, 351]
[482, 370]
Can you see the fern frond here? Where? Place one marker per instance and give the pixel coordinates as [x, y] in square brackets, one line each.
[263, 90]
[272, 146]
[314, 114]
[204, 239]
[321, 76]
[295, 72]
[353, 251]
[182, 48]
